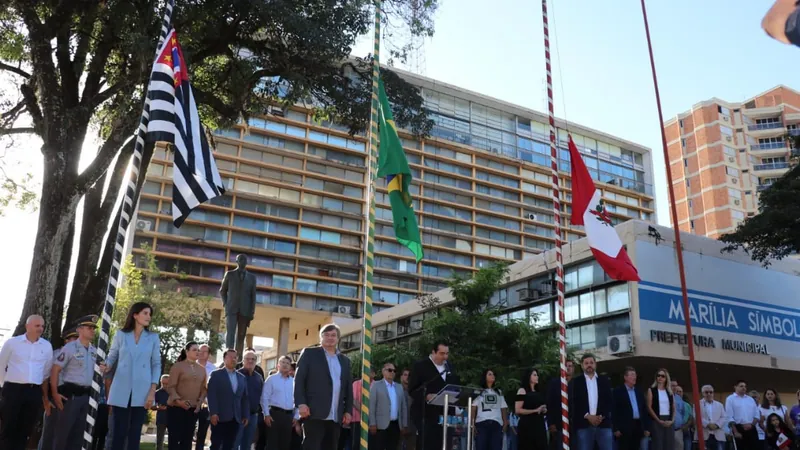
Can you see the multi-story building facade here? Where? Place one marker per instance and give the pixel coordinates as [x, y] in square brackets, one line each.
[297, 193]
[724, 154]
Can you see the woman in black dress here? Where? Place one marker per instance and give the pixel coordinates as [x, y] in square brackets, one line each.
[531, 409]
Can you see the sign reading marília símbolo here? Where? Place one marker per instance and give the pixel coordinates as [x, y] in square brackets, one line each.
[732, 306]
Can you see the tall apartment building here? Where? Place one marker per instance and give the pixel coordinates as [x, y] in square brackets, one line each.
[297, 191]
[724, 154]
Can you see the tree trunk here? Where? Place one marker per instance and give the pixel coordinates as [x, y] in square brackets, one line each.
[57, 213]
[61, 290]
[91, 276]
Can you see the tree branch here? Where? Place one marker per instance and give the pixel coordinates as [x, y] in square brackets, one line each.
[23, 130]
[101, 97]
[69, 82]
[99, 166]
[97, 65]
[209, 99]
[29, 94]
[14, 70]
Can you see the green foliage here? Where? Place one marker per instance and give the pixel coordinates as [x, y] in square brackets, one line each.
[178, 315]
[476, 338]
[772, 234]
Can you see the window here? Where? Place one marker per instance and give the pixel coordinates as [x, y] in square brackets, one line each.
[268, 209]
[485, 176]
[731, 171]
[332, 220]
[329, 254]
[331, 139]
[448, 196]
[734, 193]
[193, 231]
[446, 225]
[336, 156]
[286, 229]
[263, 243]
[335, 172]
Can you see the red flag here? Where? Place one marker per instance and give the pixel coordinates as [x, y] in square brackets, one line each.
[589, 210]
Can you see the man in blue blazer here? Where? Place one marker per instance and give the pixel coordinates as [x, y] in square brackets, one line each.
[590, 407]
[227, 403]
[631, 422]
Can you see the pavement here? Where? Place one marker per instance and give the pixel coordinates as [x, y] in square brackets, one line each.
[151, 439]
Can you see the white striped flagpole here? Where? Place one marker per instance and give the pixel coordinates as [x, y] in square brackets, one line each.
[562, 332]
[126, 213]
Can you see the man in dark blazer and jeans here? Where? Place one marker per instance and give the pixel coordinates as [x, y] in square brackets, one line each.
[631, 421]
[228, 404]
[323, 391]
[590, 407]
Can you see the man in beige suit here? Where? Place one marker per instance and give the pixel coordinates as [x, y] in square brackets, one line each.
[713, 420]
[238, 293]
[388, 411]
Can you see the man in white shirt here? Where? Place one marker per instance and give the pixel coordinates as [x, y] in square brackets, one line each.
[713, 420]
[25, 363]
[277, 403]
[742, 416]
[388, 410]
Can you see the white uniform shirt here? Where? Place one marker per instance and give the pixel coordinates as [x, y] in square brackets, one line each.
[25, 362]
[591, 393]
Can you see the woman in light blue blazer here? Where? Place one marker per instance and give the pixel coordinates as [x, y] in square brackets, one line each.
[135, 357]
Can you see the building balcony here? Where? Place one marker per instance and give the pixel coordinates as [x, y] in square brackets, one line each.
[794, 132]
[776, 148]
[763, 187]
[764, 126]
[771, 129]
[771, 169]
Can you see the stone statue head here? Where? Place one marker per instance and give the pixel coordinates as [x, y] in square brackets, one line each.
[241, 261]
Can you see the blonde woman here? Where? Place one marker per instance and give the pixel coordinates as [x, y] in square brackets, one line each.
[661, 407]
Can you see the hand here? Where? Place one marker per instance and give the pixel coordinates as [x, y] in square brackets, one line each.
[244, 422]
[617, 434]
[298, 429]
[668, 423]
[737, 435]
[505, 427]
[373, 429]
[59, 401]
[47, 406]
[151, 398]
[646, 433]
[304, 411]
[347, 419]
[185, 405]
[294, 423]
[594, 420]
[747, 426]
[105, 368]
[474, 430]
[196, 410]
[552, 428]
[214, 420]
[268, 421]
[430, 397]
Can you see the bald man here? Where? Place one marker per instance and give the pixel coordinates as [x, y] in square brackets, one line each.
[782, 22]
[25, 363]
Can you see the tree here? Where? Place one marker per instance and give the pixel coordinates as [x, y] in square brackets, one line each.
[773, 233]
[178, 315]
[477, 339]
[81, 63]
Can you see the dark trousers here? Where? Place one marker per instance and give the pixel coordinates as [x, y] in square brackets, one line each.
[489, 435]
[180, 423]
[556, 439]
[261, 444]
[280, 433]
[749, 439]
[127, 427]
[223, 435]
[69, 423]
[320, 434]
[100, 428]
[387, 439]
[297, 440]
[345, 438]
[430, 435]
[631, 439]
[202, 428]
[19, 414]
[161, 430]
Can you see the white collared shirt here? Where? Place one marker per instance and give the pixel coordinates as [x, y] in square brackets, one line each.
[741, 409]
[591, 393]
[394, 403]
[210, 367]
[441, 368]
[25, 362]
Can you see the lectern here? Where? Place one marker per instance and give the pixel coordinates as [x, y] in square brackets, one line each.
[458, 396]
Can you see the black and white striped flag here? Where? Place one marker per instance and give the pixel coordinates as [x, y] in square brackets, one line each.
[174, 119]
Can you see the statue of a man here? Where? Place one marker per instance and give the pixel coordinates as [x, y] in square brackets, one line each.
[238, 294]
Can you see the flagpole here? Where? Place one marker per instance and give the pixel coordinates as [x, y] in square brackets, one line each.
[369, 253]
[678, 247]
[126, 212]
[562, 331]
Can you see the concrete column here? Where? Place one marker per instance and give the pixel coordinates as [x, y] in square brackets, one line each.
[248, 341]
[283, 336]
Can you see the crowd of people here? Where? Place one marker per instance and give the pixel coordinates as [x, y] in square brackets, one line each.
[314, 404]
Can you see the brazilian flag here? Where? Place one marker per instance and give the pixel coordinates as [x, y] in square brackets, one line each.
[393, 165]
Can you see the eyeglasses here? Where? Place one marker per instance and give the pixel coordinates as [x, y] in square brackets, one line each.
[708, 392]
[661, 375]
[389, 370]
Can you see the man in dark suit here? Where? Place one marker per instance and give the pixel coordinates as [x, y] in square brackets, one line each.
[322, 391]
[631, 421]
[428, 377]
[238, 293]
[553, 401]
[590, 407]
[228, 404]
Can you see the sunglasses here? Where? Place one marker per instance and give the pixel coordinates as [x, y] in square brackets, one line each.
[661, 375]
[708, 392]
[389, 370]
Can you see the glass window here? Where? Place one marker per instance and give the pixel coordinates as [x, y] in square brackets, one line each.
[618, 298]
[571, 309]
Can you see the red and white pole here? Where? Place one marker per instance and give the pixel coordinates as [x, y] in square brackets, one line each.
[562, 331]
[698, 413]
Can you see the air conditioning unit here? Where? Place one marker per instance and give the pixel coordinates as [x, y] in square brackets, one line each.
[343, 309]
[620, 343]
[402, 329]
[737, 202]
[144, 225]
[531, 216]
[528, 295]
[726, 118]
[728, 138]
[735, 180]
[276, 111]
[731, 159]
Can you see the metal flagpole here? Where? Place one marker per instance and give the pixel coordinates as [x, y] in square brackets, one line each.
[119, 244]
[698, 413]
[369, 254]
[562, 332]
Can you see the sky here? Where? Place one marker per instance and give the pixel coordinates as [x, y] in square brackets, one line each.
[601, 77]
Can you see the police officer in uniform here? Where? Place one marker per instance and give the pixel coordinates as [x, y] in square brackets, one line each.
[76, 364]
[46, 442]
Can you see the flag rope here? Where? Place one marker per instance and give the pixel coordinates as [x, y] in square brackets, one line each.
[562, 332]
[369, 254]
[126, 212]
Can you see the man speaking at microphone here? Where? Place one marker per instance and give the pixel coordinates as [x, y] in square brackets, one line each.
[428, 377]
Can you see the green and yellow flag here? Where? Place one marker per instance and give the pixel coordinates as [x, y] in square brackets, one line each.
[393, 165]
